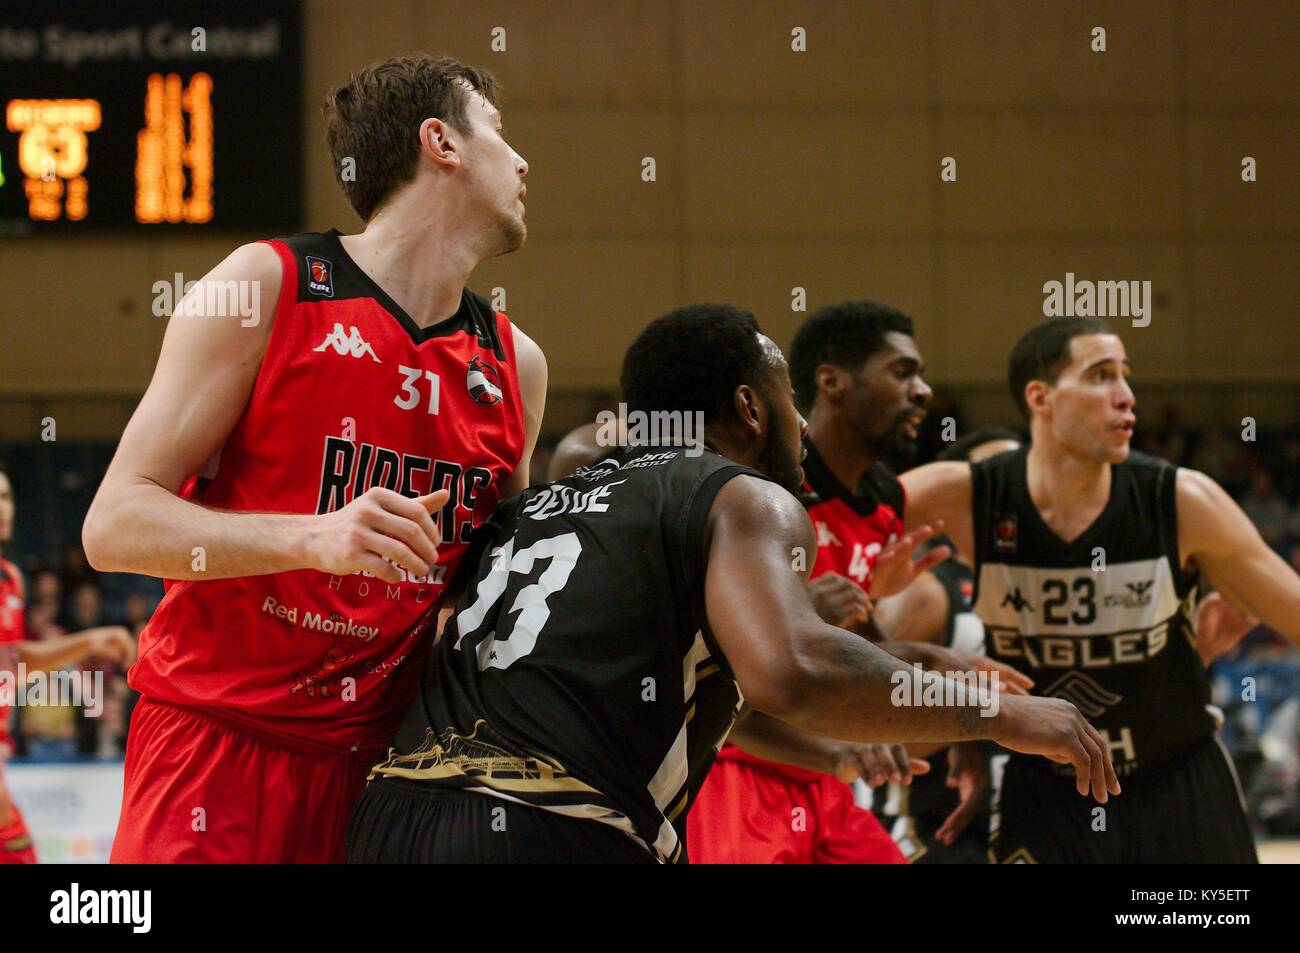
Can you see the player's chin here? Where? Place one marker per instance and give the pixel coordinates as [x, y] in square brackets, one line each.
[1117, 452]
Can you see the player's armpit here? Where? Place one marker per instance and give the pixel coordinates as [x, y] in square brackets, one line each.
[1218, 539]
[532, 387]
[941, 491]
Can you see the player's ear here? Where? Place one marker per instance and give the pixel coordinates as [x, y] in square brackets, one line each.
[1036, 395]
[748, 408]
[831, 381]
[437, 142]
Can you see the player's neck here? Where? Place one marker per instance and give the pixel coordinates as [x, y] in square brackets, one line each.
[1066, 488]
[842, 451]
[423, 265]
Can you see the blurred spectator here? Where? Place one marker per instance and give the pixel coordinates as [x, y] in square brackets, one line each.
[1267, 509]
[75, 569]
[87, 608]
[1212, 455]
[43, 622]
[1289, 484]
[137, 612]
[47, 590]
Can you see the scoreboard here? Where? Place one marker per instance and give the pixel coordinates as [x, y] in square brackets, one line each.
[150, 116]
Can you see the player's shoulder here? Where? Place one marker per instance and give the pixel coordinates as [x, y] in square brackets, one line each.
[529, 356]
[752, 505]
[942, 475]
[1196, 491]
[253, 260]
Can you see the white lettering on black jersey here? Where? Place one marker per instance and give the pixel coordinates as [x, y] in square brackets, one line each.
[1118, 642]
[577, 674]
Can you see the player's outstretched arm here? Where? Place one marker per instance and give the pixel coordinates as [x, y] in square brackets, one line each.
[815, 676]
[1219, 540]
[941, 492]
[205, 373]
[765, 737]
[107, 642]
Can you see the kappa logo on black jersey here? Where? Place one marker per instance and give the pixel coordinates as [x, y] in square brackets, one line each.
[1016, 601]
[320, 276]
[1138, 595]
[1004, 534]
[1085, 693]
[483, 383]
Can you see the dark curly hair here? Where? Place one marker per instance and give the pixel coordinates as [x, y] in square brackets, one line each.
[845, 335]
[693, 359]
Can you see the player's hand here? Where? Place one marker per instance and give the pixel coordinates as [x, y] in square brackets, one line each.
[376, 533]
[111, 642]
[895, 569]
[1219, 626]
[877, 764]
[968, 774]
[839, 600]
[943, 659]
[1053, 728]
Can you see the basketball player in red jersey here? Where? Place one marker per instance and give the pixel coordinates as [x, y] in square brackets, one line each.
[857, 373]
[307, 483]
[111, 642]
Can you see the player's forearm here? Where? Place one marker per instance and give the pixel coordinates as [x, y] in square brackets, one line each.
[848, 688]
[766, 737]
[142, 528]
[49, 654]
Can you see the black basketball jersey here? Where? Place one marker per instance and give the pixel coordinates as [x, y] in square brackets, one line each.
[1104, 621]
[578, 674]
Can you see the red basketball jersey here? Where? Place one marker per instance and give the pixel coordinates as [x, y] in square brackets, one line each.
[852, 528]
[351, 394]
[11, 631]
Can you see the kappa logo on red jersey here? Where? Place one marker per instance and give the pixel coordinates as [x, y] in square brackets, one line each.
[824, 535]
[345, 344]
[320, 277]
[483, 383]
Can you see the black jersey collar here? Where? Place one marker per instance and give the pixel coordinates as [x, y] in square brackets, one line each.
[466, 318]
[825, 485]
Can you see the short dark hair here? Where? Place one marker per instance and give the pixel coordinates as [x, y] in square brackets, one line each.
[846, 334]
[693, 359]
[1044, 351]
[374, 119]
[960, 449]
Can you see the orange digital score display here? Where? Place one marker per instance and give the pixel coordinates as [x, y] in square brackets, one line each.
[173, 166]
[53, 151]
